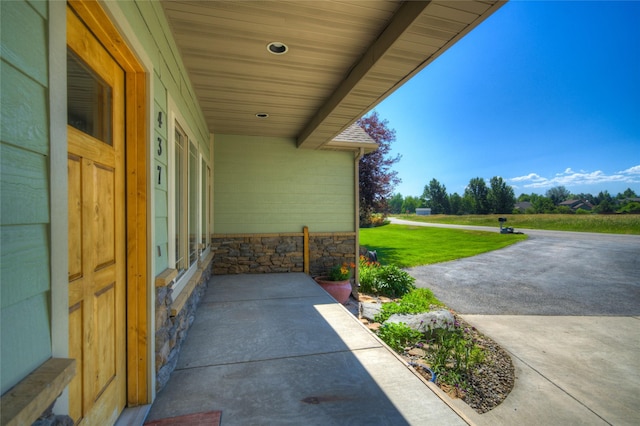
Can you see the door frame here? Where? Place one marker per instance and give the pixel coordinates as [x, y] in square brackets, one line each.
[136, 199]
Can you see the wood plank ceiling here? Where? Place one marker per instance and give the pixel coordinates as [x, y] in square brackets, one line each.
[343, 58]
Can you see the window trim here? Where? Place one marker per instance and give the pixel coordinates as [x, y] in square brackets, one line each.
[177, 119]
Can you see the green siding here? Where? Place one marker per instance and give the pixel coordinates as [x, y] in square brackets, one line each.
[24, 178]
[169, 79]
[22, 252]
[26, 340]
[24, 39]
[23, 110]
[265, 185]
[25, 329]
[161, 155]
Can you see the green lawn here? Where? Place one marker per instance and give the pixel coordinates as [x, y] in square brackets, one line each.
[407, 246]
[610, 224]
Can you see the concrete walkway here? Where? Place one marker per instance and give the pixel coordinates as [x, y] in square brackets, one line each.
[573, 370]
[275, 349]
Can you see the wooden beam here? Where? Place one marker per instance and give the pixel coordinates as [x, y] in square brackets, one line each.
[305, 232]
[25, 402]
[165, 277]
[184, 295]
[401, 22]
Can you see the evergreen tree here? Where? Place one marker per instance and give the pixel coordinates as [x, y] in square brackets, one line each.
[436, 197]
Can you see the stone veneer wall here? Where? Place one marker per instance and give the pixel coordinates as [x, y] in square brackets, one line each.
[171, 330]
[269, 253]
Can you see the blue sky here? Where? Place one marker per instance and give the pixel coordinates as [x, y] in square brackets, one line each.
[542, 93]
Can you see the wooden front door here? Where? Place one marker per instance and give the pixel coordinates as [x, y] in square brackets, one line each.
[97, 234]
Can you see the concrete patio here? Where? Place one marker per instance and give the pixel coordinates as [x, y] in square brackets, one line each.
[276, 349]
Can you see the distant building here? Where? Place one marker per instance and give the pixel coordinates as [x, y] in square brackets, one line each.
[423, 212]
[629, 200]
[577, 204]
[522, 206]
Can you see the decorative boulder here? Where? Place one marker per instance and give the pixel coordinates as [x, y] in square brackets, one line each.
[370, 310]
[424, 321]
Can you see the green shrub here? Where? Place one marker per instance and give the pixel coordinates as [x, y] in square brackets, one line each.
[378, 220]
[399, 336]
[392, 281]
[633, 208]
[386, 280]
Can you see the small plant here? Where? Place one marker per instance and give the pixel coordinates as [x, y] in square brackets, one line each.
[452, 353]
[341, 272]
[388, 280]
[393, 281]
[399, 336]
[368, 274]
[416, 301]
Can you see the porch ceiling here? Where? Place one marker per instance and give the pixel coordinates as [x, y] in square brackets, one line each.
[343, 59]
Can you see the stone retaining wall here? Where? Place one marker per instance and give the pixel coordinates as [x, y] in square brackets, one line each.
[269, 253]
[171, 330]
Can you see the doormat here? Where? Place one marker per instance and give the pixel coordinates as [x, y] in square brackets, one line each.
[209, 418]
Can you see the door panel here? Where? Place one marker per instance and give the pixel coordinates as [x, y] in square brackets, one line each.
[97, 235]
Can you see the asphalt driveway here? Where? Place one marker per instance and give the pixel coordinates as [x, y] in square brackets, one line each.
[551, 273]
[566, 306]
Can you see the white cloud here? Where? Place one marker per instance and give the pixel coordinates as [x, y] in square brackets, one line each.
[570, 178]
[567, 171]
[635, 170]
[531, 176]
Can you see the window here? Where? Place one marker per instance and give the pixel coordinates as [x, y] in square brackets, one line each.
[179, 202]
[193, 203]
[205, 241]
[189, 203]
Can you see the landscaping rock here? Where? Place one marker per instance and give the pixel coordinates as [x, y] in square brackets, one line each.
[424, 321]
[370, 310]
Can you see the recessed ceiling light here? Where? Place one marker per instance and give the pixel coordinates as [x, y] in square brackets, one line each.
[262, 115]
[277, 48]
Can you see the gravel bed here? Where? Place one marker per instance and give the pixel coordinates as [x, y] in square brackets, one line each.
[490, 382]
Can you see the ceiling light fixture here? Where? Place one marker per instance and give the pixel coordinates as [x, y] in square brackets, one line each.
[262, 115]
[277, 48]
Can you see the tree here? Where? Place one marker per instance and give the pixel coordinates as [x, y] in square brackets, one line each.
[603, 196]
[501, 196]
[476, 196]
[628, 193]
[410, 204]
[558, 194]
[524, 197]
[542, 204]
[455, 203]
[395, 203]
[436, 197]
[377, 180]
[605, 203]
